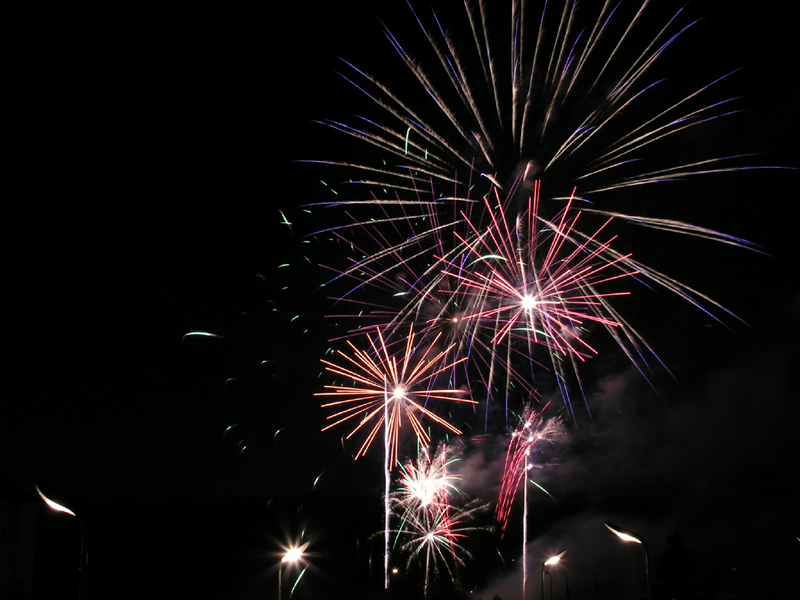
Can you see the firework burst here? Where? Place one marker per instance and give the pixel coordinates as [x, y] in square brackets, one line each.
[432, 528]
[549, 301]
[428, 481]
[388, 390]
[551, 100]
[436, 538]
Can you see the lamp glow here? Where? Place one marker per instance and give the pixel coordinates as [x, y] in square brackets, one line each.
[294, 553]
[291, 556]
[79, 513]
[53, 504]
[628, 536]
[622, 534]
[554, 559]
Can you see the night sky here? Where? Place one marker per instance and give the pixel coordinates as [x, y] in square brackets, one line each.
[152, 153]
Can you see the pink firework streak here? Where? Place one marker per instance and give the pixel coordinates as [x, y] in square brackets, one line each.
[387, 386]
[533, 429]
[545, 287]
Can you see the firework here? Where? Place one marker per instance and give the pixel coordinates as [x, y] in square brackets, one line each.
[428, 481]
[436, 539]
[388, 390]
[459, 241]
[461, 234]
[549, 301]
[432, 527]
[553, 99]
[533, 429]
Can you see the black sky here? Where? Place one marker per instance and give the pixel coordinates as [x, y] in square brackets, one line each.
[152, 154]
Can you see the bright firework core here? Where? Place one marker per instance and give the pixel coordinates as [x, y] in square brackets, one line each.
[399, 392]
[528, 302]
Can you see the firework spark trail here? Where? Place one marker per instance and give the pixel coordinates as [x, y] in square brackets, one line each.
[551, 81]
[533, 429]
[399, 268]
[385, 381]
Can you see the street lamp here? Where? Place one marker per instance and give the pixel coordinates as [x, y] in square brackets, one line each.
[551, 561]
[60, 502]
[629, 536]
[291, 556]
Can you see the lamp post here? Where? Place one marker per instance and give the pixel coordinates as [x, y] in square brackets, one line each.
[525, 526]
[60, 502]
[550, 575]
[387, 478]
[291, 556]
[629, 536]
[551, 561]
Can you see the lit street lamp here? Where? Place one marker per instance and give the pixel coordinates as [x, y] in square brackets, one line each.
[291, 556]
[629, 536]
[60, 502]
[551, 561]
